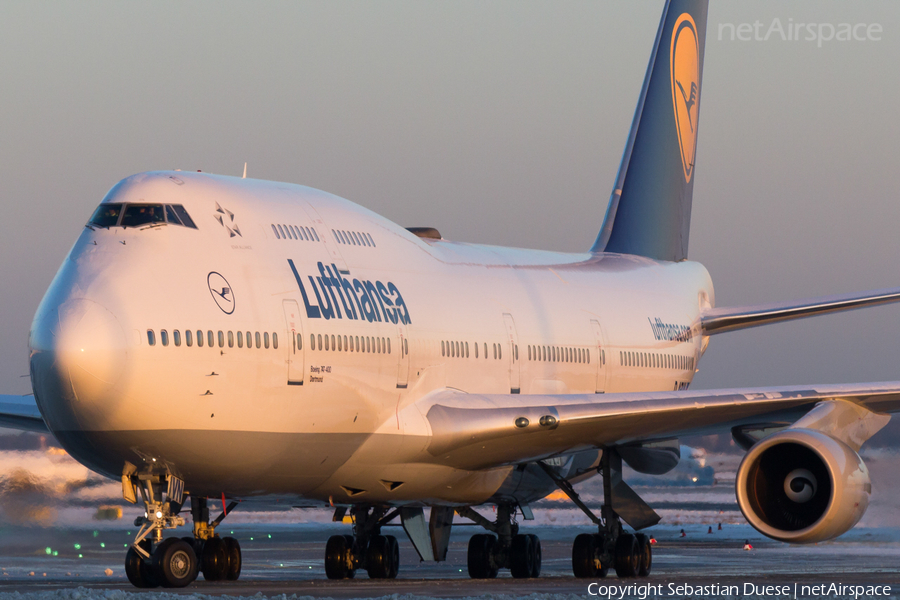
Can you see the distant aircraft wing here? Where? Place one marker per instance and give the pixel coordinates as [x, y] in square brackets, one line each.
[721, 320]
[21, 412]
[476, 431]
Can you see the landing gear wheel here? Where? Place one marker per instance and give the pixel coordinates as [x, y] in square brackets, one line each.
[379, 558]
[214, 562]
[538, 555]
[645, 555]
[586, 556]
[394, 550]
[626, 556]
[139, 573]
[479, 557]
[174, 563]
[339, 557]
[233, 556]
[521, 557]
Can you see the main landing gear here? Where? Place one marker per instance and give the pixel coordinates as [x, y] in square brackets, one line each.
[173, 562]
[508, 549]
[593, 554]
[366, 549]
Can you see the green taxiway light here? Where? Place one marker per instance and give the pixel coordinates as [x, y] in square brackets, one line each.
[96, 533]
[78, 546]
[80, 555]
[102, 545]
[48, 550]
[270, 536]
[55, 553]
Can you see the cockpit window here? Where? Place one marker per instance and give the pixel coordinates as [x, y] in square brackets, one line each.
[143, 214]
[136, 215]
[182, 215]
[106, 215]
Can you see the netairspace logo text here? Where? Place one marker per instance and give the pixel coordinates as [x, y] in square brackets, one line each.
[747, 590]
[800, 32]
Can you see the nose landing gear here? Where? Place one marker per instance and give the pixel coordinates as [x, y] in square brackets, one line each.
[152, 561]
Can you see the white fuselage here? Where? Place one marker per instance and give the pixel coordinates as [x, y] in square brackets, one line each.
[402, 317]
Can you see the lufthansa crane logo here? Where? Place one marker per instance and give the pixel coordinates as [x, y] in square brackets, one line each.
[684, 61]
[221, 292]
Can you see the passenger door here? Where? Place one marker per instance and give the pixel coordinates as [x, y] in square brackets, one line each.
[598, 356]
[295, 348]
[513, 351]
[403, 372]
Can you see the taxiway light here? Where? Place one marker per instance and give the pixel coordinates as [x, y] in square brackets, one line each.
[102, 545]
[78, 546]
[48, 550]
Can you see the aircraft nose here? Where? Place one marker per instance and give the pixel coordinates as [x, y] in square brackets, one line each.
[78, 353]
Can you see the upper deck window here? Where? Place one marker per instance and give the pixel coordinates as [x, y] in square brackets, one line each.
[136, 215]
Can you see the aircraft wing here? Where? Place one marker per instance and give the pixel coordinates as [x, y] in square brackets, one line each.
[21, 412]
[474, 431]
[721, 320]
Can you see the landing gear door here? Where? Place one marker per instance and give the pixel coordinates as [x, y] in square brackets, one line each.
[295, 346]
[403, 347]
[513, 351]
[598, 356]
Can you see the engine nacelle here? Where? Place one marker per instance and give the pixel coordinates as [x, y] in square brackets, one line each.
[802, 486]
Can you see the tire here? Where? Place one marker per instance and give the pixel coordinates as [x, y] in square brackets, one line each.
[233, 559]
[394, 549]
[538, 555]
[478, 558]
[378, 557]
[214, 562]
[337, 557]
[645, 555]
[174, 563]
[585, 557]
[521, 557]
[197, 545]
[139, 573]
[626, 556]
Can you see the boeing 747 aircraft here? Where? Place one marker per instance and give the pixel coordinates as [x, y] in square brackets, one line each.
[261, 343]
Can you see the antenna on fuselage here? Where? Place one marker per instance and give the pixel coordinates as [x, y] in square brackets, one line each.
[245, 171]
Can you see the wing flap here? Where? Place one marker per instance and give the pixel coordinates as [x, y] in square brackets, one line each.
[476, 431]
[21, 412]
[721, 320]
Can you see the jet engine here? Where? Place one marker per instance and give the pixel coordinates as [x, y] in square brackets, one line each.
[802, 486]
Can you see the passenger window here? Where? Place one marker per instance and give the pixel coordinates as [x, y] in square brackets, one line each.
[369, 345]
[290, 232]
[259, 341]
[221, 340]
[106, 215]
[388, 340]
[210, 341]
[188, 338]
[315, 235]
[151, 337]
[274, 341]
[176, 337]
[312, 341]
[443, 349]
[371, 241]
[231, 339]
[240, 336]
[142, 214]
[266, 339]
[199, 339]
[406, 348]
[185, 218]
[275, 231]
[335, 236]
[164, 337]
[281, 231]
[300, 232]
[299, 342]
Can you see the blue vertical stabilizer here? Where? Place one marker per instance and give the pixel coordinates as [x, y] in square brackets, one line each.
[649, 212]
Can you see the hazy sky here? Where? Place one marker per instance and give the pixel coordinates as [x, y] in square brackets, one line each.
[496, 122]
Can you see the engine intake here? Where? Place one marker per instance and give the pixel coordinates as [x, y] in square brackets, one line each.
[802, 486]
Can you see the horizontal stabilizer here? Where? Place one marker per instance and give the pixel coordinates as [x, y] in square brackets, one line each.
[721, 320]
[21, 412]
